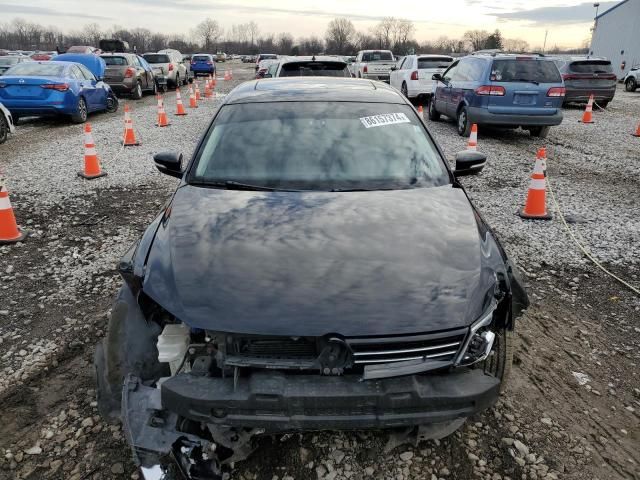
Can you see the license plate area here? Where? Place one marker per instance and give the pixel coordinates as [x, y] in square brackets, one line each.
[525, 98]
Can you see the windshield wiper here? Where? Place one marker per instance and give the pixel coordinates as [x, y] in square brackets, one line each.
[525, 80]
[233, 185]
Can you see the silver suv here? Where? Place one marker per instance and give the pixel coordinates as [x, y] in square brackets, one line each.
[171, 65]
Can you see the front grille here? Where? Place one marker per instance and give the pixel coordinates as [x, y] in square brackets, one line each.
[277, 348]
[377, 350]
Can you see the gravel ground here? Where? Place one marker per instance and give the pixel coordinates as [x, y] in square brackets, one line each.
[570, 411]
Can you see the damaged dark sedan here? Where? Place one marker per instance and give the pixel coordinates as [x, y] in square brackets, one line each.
[319, 267]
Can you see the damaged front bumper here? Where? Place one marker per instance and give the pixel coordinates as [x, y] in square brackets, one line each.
[228, 412]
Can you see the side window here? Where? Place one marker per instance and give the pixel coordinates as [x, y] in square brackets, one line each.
[402, 62]
[449, 74]
[476, 69]
[86, 73]
[136, 62]
[408, 63]
[76, 73]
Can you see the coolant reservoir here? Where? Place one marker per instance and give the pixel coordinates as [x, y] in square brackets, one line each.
[173, 343]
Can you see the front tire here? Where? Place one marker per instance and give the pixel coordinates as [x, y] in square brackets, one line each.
[81, 112]
[177, 83]
[4, 129]
[404, 90]
[463, 123]
[112, 103]
[630, 85]
[499, 362]
[434, 115]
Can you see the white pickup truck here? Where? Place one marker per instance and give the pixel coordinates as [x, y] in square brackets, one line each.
[373, 64]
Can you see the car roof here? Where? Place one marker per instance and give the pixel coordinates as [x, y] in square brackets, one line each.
[312, 58]
[310, 89]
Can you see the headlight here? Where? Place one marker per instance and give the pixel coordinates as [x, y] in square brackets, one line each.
[479, 342]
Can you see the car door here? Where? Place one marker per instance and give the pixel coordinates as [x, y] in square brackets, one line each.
[141, 73]
[87, 87]
[443, 90]
[395, 77]
[148, 70]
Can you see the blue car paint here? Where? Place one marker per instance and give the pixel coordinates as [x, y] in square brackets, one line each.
[523, 104]
[94, 63]
[199, 67]
[25, 96]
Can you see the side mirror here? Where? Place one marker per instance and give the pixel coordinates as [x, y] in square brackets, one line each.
[169, 163]
[437, 77]
[394, 68]
[469, 162]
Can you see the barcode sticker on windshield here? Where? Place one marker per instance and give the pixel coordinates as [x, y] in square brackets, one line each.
[384, 119]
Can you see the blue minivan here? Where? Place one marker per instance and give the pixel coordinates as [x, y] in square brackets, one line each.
[501, 90]
[202, 64]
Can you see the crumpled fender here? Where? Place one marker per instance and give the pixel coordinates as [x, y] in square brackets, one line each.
[128, 348]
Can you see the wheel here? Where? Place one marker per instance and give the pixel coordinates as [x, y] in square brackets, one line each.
[4, 128]
[112, 103]
[603, 104]
[136, 93]
[630, 85]
[434, 115]
[81, 112]
[154, 90]
[540, 132]
[177, 85]
[498, 363]
[464, 125]
[404, 90]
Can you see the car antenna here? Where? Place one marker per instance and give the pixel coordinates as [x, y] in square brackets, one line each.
[313, 58]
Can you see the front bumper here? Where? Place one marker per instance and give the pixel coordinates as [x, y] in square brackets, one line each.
[482, 116]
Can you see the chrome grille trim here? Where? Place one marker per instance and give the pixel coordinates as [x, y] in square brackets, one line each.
[404, 359]
[409, 350]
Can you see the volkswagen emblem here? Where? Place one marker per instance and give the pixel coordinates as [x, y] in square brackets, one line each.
[21, 80]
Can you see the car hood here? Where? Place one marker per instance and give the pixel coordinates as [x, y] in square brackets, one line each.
[314, 263]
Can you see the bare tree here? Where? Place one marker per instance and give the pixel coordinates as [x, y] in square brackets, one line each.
[311, 45]
[92, 33]
[383, 31]
[208, 31]
[284, 43]
[253, 31]
[340, 32]
[515, 45]
[476, 39]
[402, 31]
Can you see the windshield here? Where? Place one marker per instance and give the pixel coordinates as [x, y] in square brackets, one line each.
[109, 60]
[431, 62]
[525, 70]
[323, 146]
[323, 69]
[267, 57]
[8, 60]
[34, 69]
[591, 66]
[156, 58]
[377, 56]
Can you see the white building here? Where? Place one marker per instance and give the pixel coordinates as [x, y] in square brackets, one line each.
[616, 36]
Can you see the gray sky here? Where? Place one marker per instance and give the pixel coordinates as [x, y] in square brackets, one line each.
[567, 22]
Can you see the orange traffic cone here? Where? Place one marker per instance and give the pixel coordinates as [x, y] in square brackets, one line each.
[420, 111]
[198, 96]
[536, 206]
[129, 139]
[637, 132]
[587, 115]
[163, 121]
[472, 144]
[9, 230]
[207, 89]
[213, 81]
[179, 106]
[91, 162]
[192, 98]
[541, 160]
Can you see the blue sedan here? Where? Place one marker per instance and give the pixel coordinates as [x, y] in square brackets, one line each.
[55, 88]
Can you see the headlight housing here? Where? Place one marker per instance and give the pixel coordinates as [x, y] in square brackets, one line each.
[479, 342]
